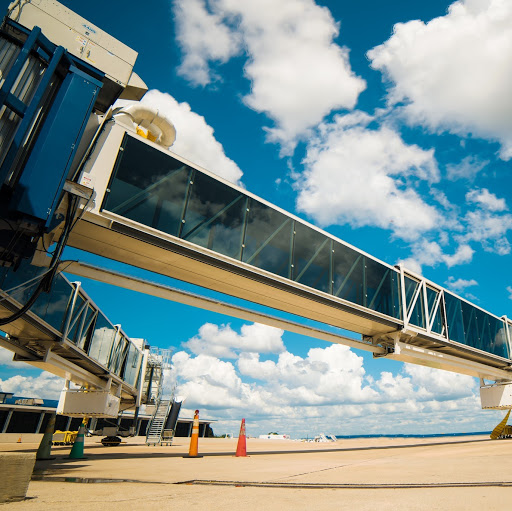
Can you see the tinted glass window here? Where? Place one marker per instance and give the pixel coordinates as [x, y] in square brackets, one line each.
[418, 310]
[52, 307]
[454, 318]
[436, 321]
[76, 319]
[381, 288]
[215, 216]
[132, 366]
[87, 329]
[348, 274]
[148, 186]
[311, 258]
[497, 338]
[102, 340]
[268, 239]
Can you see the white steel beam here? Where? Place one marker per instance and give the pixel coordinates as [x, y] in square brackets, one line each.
[422, 356]
[169, 293]
[66, 369]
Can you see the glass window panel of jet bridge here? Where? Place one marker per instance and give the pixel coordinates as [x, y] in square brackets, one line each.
[25, 279]
[102, 339]
[148, 186]
[437, 323]
[498, 337]
[410, 286]
[418, 310]
[348, 273]
[86, 334]
[268, 239]
[131, 372]
[74, 330]
[483, 331]
[117, 354]
[214, 216]
[472, 323]
[311, 258]
[53, 309]
[382, 293]
[454, 318]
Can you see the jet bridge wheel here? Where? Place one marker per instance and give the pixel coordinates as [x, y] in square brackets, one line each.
[111, 441]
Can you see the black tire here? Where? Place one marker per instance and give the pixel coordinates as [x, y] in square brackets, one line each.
[111, 441]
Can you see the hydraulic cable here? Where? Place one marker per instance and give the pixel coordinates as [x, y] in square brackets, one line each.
[46, 281]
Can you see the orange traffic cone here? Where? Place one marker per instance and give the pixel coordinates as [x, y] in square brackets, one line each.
[19, 440]
[194, 439]
[241, 449]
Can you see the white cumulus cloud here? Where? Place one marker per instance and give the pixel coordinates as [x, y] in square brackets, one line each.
[364, 176]
[321, 377]
[44, 386]
[488, 229]
[431, 253]
[440, 385]
[326, 390]
[460, 284]
[452, 73]
[297, 73]
[468, 168]
[486, 200]
[195, 138]
[6, 358]
[224, 342]
[203, 37]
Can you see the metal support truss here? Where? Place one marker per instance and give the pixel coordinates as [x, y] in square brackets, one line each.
[420, 295]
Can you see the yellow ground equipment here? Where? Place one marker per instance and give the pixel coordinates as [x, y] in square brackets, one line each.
[64, 437]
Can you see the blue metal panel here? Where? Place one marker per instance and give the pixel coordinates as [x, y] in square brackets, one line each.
[18, 65]
[30, 111]
[41, 183]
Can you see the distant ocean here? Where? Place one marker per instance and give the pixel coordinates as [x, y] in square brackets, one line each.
[432, 435]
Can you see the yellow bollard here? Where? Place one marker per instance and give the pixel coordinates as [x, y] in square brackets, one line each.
[194, 439]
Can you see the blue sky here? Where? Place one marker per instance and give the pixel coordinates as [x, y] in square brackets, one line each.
[386, 124]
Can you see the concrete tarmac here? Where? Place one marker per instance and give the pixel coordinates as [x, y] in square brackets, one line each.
[452, 473]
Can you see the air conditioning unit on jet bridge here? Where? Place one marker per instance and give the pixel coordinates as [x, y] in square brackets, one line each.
[496, 397]
[88, 403]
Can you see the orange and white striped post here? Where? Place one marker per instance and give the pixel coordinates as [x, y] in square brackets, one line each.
[194, 439]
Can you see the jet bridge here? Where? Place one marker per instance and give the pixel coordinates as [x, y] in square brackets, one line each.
[67, 334]
[155, 210]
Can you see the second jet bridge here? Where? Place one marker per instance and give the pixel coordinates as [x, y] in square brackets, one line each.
[155, 210]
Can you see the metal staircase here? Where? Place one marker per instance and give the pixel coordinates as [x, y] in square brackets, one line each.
[154, 434]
